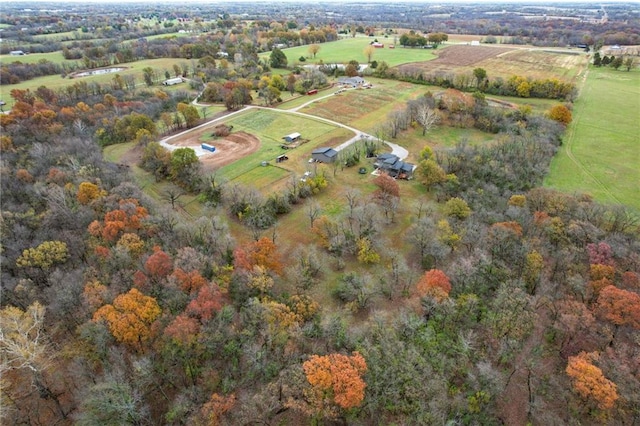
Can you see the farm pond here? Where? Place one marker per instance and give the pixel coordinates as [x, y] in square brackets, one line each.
[97, 72]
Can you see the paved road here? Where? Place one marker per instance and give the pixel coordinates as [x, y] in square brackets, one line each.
[397, 150]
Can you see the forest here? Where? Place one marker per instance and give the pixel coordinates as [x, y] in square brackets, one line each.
[470, 295]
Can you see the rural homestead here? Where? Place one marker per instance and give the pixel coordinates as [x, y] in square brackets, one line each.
[319, 214]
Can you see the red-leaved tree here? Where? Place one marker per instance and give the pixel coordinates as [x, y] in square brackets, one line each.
[621, 307]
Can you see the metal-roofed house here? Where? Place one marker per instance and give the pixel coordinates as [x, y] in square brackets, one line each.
[394, 166]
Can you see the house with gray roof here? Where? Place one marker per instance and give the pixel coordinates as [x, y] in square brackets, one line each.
[394, 166]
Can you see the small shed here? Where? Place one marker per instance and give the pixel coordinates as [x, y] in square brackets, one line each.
[172, 81]
[324, 155]
[292, 137]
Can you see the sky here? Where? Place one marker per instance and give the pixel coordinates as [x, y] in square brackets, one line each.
[328, 1]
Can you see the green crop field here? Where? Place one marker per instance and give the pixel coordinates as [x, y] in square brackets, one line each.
[347, 49]
[601, 150]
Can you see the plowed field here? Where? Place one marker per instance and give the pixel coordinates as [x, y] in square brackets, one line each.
[454, 57]
[503, 62]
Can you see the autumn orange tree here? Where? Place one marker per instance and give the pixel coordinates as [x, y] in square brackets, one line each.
[434, 283]
[560, 113]
[621, 307]
[336, 379]
[218, 405]
[262, 253]
[189, 282]
[130, 317]
[589, 382]
[127, 218]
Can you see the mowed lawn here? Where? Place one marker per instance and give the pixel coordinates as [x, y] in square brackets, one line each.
[352, 48]
[600, 155]
[270, 127]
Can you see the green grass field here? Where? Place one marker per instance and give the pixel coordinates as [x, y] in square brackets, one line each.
[32, 58]
[263, 177]
[67, 35]
[346, 49]
[270, 127]
[367, 109]
[601, 150]
[56, 82]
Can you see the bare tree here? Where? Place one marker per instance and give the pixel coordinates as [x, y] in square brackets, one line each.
[172, 196]
[397, 121]
[24, 347]
[425, 115]
[313, 211]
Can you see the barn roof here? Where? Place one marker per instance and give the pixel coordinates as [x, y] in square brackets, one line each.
[292, 136]
[329, 152]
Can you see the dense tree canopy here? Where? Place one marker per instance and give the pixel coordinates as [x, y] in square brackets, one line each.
[467, 295]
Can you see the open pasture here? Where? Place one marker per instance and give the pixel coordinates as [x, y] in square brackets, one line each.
[367, 109]
[352, 48]
[267, 178]
[504, 62]
[62, 36]
[33, 58]
[600, 154]
[57, 82]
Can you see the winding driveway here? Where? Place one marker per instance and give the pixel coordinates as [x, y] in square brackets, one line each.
[396, 150]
